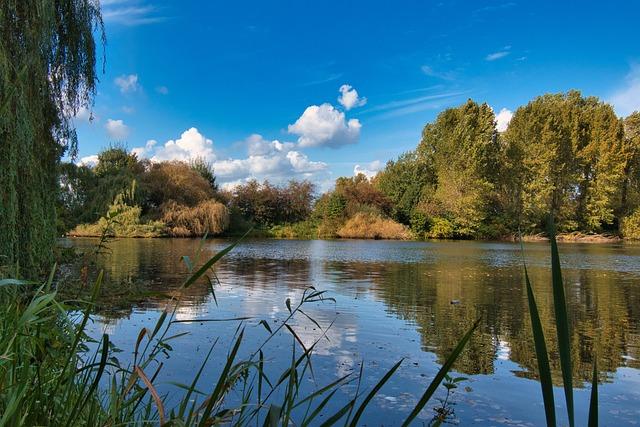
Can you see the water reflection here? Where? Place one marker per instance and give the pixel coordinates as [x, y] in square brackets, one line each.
[437, 289]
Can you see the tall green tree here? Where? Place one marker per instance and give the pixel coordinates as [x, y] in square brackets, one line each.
[630, 197]
[404, 181]
[462, 147]
[47, 73]
[566, 156]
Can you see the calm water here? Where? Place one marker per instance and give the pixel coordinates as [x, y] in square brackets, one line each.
[393, 301]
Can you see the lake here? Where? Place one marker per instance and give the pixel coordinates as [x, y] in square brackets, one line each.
[394, 300]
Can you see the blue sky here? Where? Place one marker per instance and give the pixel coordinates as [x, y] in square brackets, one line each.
[299, 89]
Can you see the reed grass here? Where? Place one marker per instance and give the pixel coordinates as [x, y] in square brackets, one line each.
[563, 341]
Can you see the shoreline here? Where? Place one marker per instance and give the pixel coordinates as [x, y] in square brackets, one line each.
[574, 237]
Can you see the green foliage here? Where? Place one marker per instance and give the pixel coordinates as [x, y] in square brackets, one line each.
[266, 205]
[205, 170]
[404, 182]
[567, 154]
[47, 73]
[121, 220]
[441, 228]
[630, 226]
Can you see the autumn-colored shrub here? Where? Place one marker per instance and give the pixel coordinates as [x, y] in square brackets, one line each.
[209, 217]
[174, 181]
[371, 226]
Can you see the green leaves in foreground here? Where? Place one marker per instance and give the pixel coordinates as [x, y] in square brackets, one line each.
[564, 345]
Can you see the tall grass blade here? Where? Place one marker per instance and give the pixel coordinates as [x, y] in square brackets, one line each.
[154, 393]
[544, 371]
[207, 265]
[593, 403]
[562, 325]
[372, 393]
[446, 367]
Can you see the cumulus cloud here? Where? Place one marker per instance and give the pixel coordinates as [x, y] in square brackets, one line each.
[626, 100]
[162, 90]
[127, 83]
[190, 145]
[117, 129]
[273, 160]
[502, 119]
[369, 170]
[324, 125]
[349, 97]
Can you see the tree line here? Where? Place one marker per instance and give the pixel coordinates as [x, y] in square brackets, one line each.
[565, 155]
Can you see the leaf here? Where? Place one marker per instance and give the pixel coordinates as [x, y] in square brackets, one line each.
[562, 324]
[154, 393]
[593, 403]
[266, 326]
[207, 265]
[544, 371]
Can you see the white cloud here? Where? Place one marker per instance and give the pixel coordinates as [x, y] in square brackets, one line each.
[369, 170]
[349, 97]
[497, 55]
[117, 129]
[127, 83]
[258, 146]
[626, 100]
[162, 90]
[128, 110]
[325, 126]
[272, 160]
[275, 161]
[90, 161]
[191, 144]
[502, 119]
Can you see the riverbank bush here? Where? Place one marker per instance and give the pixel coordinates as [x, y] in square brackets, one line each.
[208, 217]
[300, 230]
[365, 225]
[630, 226]
[122, 220]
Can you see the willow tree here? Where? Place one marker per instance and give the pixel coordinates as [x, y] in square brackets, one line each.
[47, 73]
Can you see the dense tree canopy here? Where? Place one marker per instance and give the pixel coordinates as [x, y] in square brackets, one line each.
[567, 159]
[47, 72]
